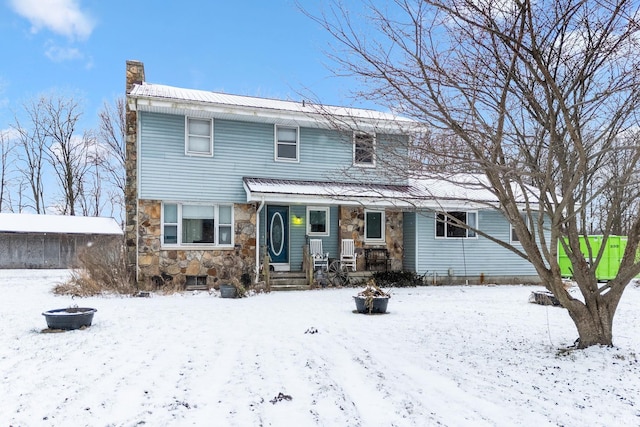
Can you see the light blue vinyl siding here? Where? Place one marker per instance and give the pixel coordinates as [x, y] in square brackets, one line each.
[468, 257]
[298, 234]
[409, 241]
[239, 149]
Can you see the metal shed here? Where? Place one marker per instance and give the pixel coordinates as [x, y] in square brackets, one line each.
[50, 241]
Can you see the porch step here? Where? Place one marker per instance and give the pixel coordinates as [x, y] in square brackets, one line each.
[288, 281]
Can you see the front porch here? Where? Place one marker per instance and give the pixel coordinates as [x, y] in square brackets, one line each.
[285, 235]
[298, 280]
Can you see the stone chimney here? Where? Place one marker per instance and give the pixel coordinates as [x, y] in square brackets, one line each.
[134, 75]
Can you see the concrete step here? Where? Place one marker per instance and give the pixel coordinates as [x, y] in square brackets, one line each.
[289, 281]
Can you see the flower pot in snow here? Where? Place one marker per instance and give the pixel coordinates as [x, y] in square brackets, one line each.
[69, 318]
[228, 291]
[371, 305]
[372, 299]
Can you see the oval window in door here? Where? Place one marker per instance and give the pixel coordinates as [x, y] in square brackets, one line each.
[276, 234]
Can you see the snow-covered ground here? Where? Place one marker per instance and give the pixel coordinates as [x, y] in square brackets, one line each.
[452, 356]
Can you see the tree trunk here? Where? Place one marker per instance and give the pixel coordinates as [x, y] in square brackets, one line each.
[594, 322]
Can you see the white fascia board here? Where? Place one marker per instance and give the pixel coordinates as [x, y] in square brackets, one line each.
[319, 200]
[249, 113]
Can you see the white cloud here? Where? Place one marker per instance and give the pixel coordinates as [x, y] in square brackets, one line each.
[9, 134]
[60, 16]
[58, 54]
[4, 101]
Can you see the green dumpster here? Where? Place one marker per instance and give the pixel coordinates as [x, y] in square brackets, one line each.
[611, 257]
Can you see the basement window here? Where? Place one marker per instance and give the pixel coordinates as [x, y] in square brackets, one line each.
[196, 282]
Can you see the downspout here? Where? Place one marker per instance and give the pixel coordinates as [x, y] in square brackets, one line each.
[138, 126]
[258, 239]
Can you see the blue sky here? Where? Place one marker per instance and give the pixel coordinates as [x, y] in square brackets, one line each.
[247, 47]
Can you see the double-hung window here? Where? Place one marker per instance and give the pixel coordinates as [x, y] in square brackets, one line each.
[514, 235]
[198, 137]
[364, 149]
[197, 224]
[374, 226]
[287, 144]
[454, 224]
[318, 221]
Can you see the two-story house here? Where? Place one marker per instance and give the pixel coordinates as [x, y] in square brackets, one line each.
[214, 179]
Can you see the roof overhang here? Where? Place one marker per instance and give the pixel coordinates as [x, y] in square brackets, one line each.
[325, 192]
[198, 103]
[427, 195]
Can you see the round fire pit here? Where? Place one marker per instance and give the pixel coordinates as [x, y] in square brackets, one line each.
[69, 318]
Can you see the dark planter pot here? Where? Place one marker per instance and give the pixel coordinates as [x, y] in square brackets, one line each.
[69, 318]
[379, 305]
[228, 291]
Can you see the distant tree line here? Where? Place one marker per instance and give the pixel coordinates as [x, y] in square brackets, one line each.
[49, 165]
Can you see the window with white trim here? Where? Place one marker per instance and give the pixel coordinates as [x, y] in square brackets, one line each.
[374, 226]
[287, 146]
[317, 221]
[448, 224]
[364, 149]
[197, 224]
[514, 235]
[198, 137]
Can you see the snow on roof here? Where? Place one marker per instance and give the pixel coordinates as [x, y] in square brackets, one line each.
[150, 97]
[473, 188]
[32, 223]
[309, 191]
[460, 187]
[462, 190]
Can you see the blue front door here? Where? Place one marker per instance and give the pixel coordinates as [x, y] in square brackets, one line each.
[278, 234]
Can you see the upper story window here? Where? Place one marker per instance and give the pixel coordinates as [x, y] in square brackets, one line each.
[199, 137]
[364, 149]
[374, 226]
[449, 225]
[287, 145]
[197, 224]
[318, 221]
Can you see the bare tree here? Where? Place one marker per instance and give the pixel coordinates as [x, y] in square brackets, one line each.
[536, 96]
[90, 191]
[68, 153]
[621, 192]
[6, 147]
[111, 137]
[31, 141]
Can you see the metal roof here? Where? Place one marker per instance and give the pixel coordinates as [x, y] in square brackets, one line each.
[457, 191]
[169, 99]
[300, 191]
[61, 224]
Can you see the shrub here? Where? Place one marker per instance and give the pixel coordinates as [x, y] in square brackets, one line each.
[103, 269]
[398, 279]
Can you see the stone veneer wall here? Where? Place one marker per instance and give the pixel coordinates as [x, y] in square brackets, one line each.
[179, 263]
[352, 227]
[134, 75]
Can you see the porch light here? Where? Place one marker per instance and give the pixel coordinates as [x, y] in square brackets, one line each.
[296, 220]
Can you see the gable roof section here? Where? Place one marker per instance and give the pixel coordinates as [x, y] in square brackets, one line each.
[60, 224]
[200, 103]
